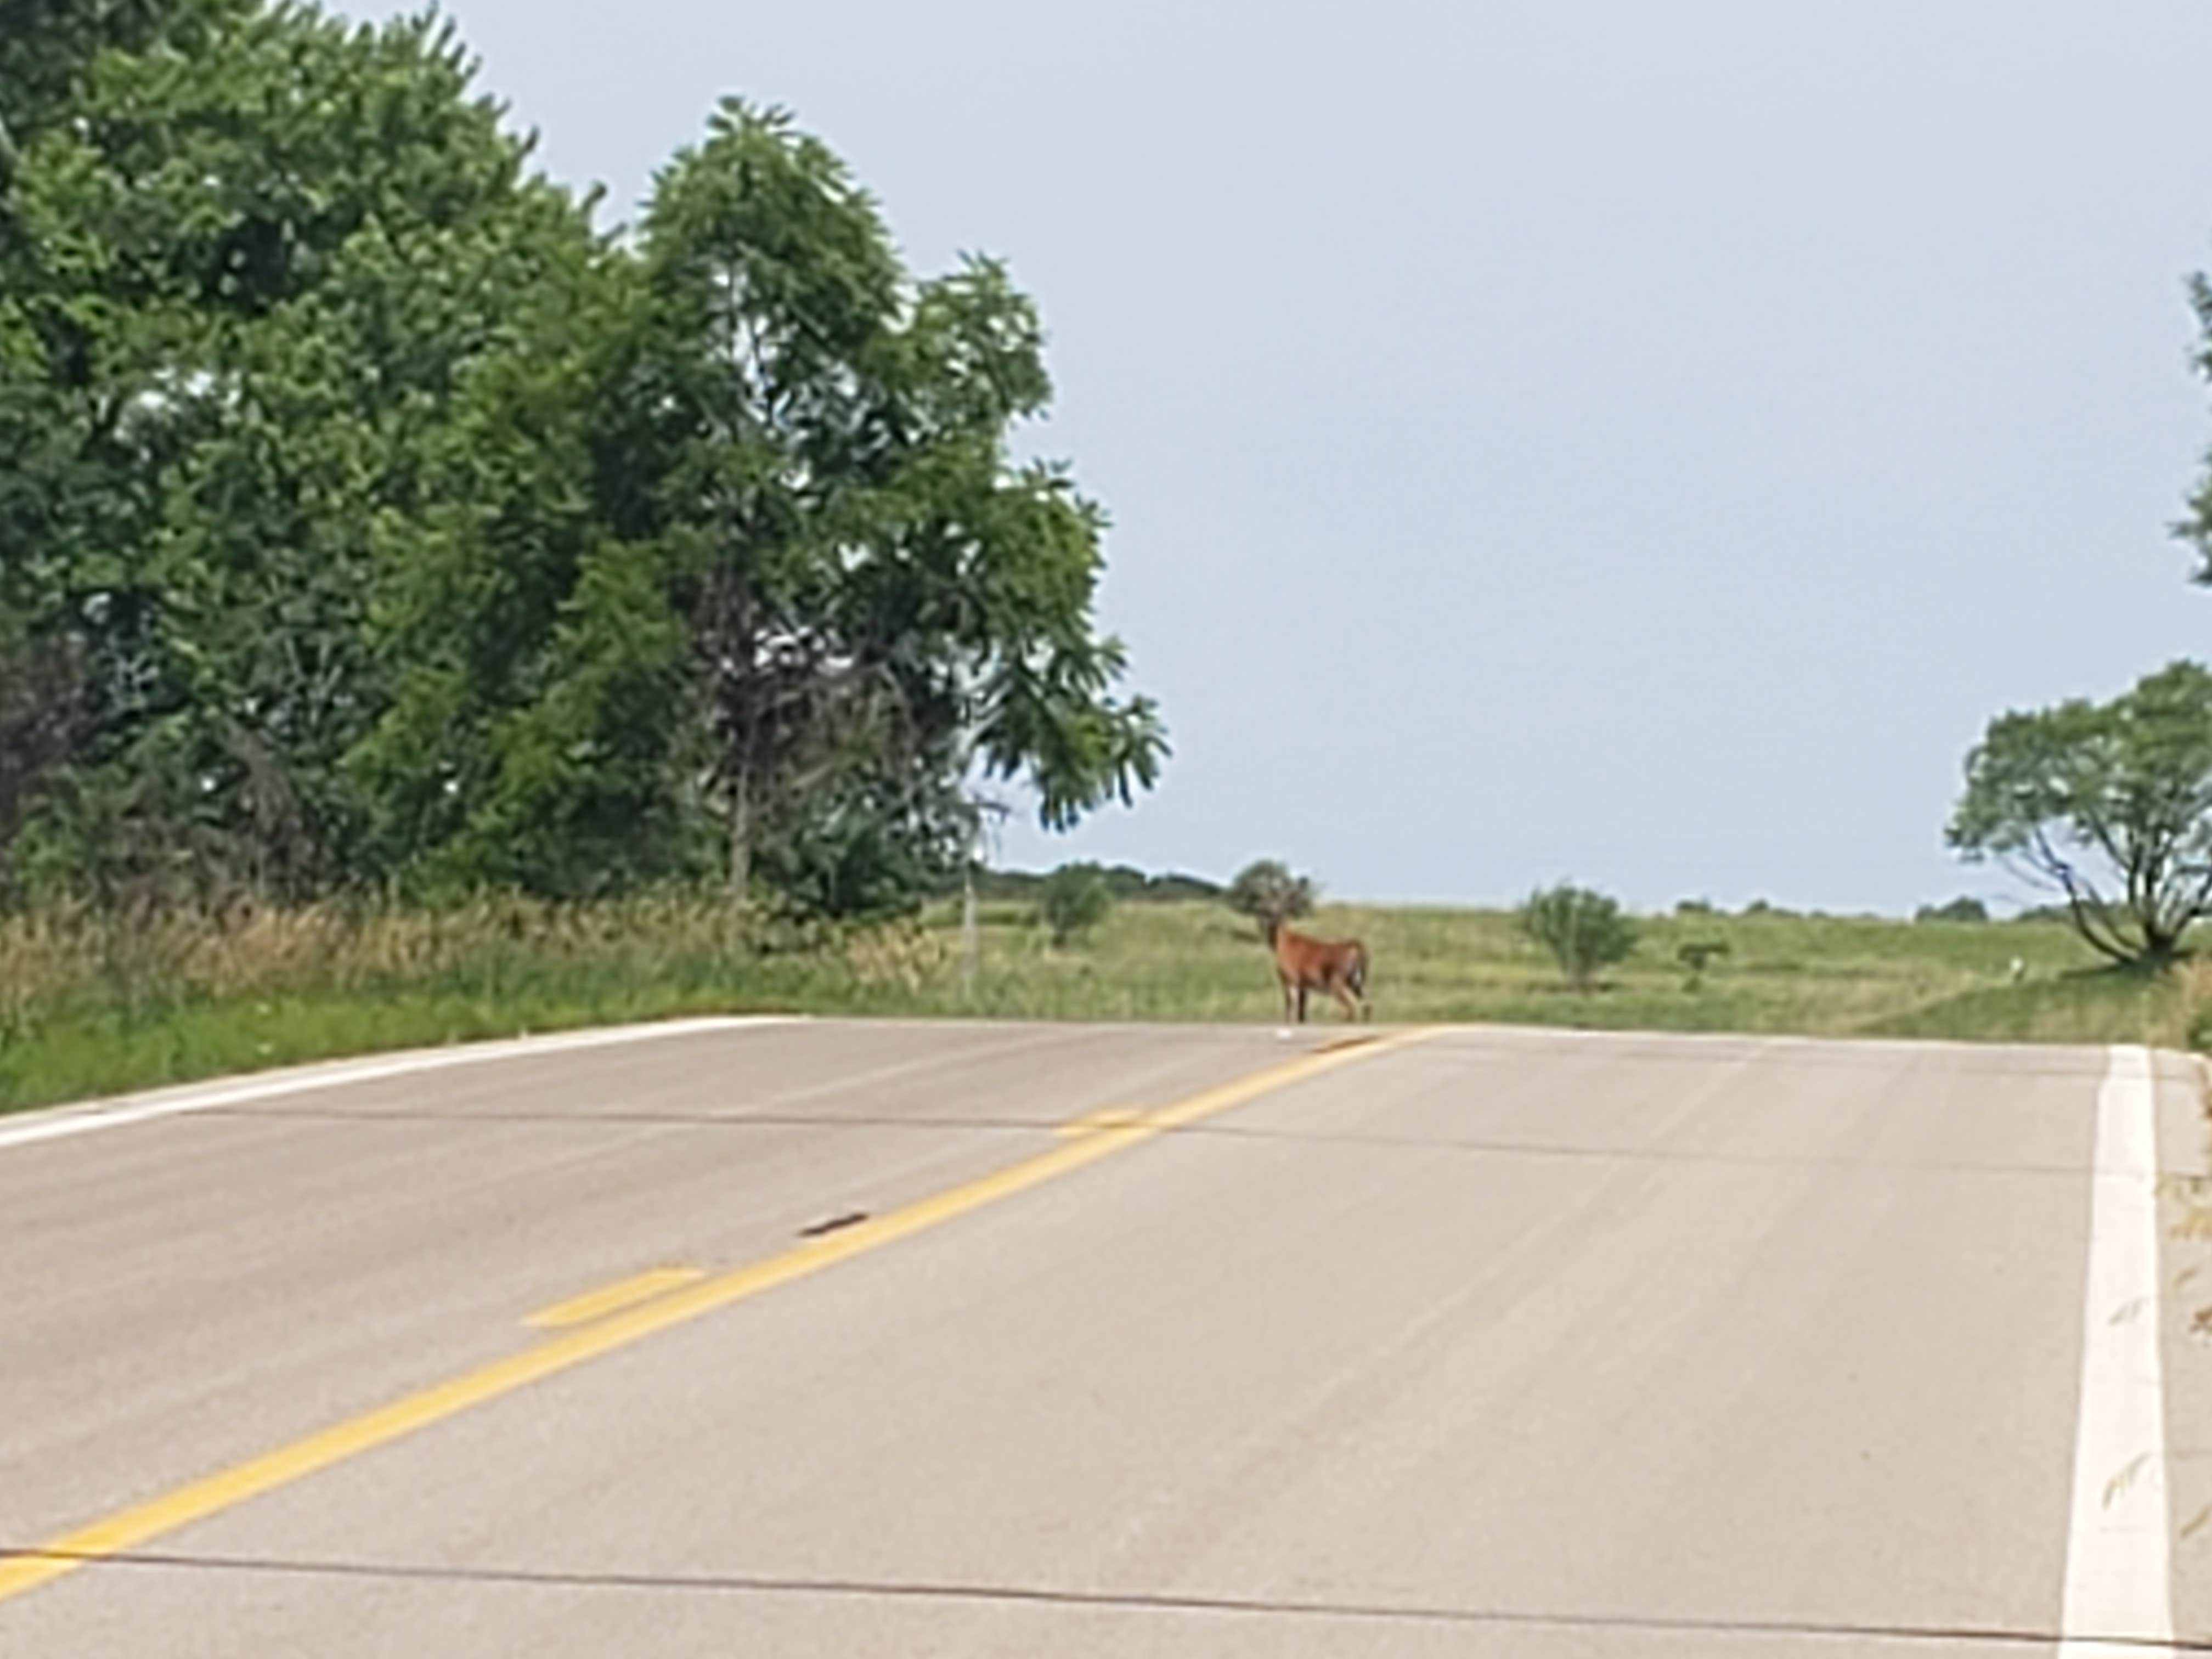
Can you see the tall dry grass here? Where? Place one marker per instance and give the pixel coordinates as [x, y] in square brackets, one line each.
[70, 955]
[93, 1003]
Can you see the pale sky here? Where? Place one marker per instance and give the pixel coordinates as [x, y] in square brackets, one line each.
[1633, 443]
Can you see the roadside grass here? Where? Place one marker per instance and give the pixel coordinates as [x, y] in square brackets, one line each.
[89, 1005]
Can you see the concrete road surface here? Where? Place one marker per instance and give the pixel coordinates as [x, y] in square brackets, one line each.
[898, 1340]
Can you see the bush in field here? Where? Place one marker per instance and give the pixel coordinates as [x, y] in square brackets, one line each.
[1963, 909]
[1698, 955]
[1268, 892]
[1073, 900]
[1585, 931]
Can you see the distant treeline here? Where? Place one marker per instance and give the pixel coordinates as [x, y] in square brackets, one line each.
[1124, 881]
[1965, 908]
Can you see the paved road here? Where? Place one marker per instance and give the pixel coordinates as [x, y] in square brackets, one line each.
[1144, 1341]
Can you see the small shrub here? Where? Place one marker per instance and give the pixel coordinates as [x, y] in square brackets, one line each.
[1268, 892]
[1584, 931]
[1696, 956]
[1694, 907]
[1073, 900]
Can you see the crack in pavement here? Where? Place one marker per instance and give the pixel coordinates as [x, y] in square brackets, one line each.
[1900, 1634]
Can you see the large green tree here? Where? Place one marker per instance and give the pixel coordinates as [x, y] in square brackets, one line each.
[366, 518]
[877, 593]
[822, 597]
[2108, 804]
[241, 285]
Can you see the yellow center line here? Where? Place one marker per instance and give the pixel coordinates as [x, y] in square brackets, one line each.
[1097, 1122]
[25, 1571]
[613, 1299]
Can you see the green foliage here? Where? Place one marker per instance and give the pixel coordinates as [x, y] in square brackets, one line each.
[367, 521]
[1698, 955]
[2196, 526]
[1964, 907]
[42, 707]
[1073, 900]
[815, 445]
[47, 46]
[2109, 804]
[241, 283]
[1266, 891]
[1584, 931]
[864, 846]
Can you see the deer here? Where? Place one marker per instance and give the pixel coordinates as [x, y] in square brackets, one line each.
[1304, 964]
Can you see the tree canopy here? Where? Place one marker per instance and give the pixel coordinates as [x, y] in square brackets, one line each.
[1267, 890]
[368, 519]
[2108, 804]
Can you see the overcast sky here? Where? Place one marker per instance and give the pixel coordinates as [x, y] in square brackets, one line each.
[1642, 444]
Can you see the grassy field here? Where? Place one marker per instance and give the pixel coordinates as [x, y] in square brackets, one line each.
[89, 1007]
[1814, 976]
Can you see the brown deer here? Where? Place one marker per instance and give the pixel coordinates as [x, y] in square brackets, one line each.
[1304, 964]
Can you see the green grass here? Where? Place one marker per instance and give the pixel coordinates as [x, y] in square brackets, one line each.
[1782, 974]
[90, 1008]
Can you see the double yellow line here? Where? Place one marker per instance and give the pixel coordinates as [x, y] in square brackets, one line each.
[23, 1571]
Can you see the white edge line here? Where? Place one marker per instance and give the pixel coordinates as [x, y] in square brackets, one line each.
[1663, 1037]
[24, 1128]
[2118, 1594]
